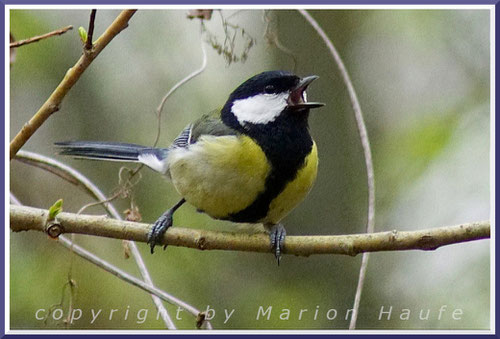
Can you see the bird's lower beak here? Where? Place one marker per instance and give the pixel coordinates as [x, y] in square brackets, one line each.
[298, 100]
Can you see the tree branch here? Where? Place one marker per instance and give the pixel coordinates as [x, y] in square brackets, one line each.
[54, 101]
[29, 218]
[144, 285]
[20, 43]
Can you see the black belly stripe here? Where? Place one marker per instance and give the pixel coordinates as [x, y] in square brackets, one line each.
[275, 184]
[286, 143]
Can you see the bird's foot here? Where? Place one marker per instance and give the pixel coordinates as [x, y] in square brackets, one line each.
[277, 236]
[155, 235]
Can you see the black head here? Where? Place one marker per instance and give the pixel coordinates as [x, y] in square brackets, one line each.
[267, 96]
[271, 82]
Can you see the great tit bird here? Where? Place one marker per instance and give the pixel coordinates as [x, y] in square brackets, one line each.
[251, 162]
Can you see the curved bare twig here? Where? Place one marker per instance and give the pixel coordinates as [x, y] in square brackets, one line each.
[365, 143]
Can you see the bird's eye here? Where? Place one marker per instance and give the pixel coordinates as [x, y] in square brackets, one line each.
[269, 89]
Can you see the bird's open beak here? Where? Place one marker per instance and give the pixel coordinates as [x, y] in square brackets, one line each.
[297, 100]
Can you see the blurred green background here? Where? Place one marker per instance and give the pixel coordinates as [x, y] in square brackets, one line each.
[422, 77]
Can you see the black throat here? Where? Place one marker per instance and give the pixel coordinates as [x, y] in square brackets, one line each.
[286, 143]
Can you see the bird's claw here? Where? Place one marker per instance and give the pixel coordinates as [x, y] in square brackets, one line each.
[277, 237]
[155, 235]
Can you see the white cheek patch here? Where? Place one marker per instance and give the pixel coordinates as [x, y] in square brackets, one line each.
[260, 109]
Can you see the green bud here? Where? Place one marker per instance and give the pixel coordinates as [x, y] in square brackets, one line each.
[55, 209]
[83, 34]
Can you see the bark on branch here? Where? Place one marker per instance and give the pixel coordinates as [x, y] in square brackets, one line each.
[28, 218]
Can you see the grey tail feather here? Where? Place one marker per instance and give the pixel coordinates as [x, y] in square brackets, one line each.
[111, 151]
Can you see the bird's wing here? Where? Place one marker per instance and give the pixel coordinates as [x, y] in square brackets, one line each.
[183, 139]
[208, 124]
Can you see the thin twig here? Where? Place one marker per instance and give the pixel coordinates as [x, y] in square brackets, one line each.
[78, 179]
[159, 109]
[20, 43]
[176, 87]
[70, 175]
[88, 44]
[127, 277]
[29, 218]
[370, 226]
[72, 75]
[124, 187]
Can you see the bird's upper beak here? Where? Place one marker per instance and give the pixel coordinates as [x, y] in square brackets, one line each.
[297, 100]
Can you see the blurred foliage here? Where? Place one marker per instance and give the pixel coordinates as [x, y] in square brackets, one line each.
[422, 77]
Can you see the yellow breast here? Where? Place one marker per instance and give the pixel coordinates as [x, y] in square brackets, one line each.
[219, 175]
[295, 191]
